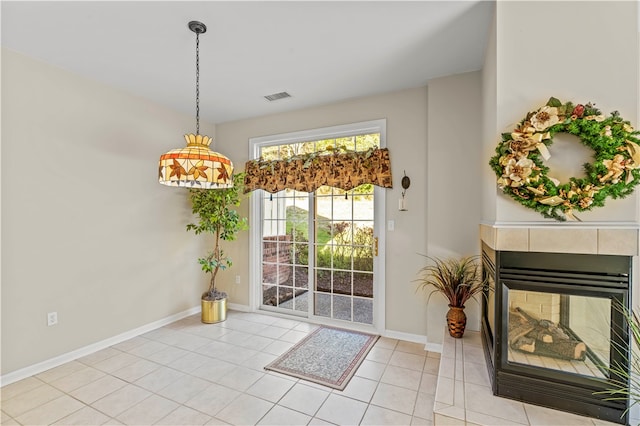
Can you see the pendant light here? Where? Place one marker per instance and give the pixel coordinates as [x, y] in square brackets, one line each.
[196, 166]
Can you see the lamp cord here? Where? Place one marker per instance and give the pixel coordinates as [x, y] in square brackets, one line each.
[197, 83]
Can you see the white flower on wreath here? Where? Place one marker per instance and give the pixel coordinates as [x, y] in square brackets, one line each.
[546, 117]
[518, 171]
[523, 142]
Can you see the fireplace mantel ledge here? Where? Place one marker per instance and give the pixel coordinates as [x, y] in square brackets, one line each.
[606, 239]
[464, 397]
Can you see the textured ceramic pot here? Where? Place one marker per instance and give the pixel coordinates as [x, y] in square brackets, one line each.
[456, 321]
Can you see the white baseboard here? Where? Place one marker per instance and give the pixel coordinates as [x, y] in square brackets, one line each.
[238, 307]
[433, 347]
[38, 368]
[416, 338]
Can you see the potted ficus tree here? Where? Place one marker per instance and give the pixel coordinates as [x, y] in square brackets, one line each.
[216, 216]
[458, 280]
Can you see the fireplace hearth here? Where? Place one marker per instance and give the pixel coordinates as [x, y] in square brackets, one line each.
[551, 329]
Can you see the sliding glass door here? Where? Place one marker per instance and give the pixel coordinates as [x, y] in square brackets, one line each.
[318, 252]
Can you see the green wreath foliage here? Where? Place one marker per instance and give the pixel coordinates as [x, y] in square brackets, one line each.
[522, 174]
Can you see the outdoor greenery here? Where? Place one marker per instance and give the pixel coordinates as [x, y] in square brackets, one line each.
[213, 208]
[343, 250]
[339, 244]
[297, 224]
[353, 143]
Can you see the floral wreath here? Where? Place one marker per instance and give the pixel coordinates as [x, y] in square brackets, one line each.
[521, 172]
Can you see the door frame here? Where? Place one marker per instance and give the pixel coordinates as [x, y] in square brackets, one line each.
[255, 228]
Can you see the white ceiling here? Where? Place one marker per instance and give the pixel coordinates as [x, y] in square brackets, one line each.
[319, 52]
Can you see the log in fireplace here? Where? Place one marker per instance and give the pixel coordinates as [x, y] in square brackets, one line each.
[551, 328]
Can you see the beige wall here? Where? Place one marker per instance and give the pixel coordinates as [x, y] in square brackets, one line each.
[577, 51]
[406, 114]
[87, 231]
[489, 136]
[454, 192]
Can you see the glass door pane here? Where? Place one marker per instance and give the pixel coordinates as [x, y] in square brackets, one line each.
[285, 250]
[344, 253]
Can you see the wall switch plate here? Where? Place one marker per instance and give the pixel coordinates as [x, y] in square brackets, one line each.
[237, 279]
[52, 318]
[391, 225]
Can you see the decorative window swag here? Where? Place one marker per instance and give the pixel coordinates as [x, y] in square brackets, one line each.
[339, 168]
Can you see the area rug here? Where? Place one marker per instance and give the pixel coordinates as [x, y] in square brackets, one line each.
[328, 356]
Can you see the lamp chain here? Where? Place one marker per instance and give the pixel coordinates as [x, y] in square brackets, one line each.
[197, 83]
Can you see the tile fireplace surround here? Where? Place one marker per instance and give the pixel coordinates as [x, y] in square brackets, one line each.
[581, 239]
[463, 395]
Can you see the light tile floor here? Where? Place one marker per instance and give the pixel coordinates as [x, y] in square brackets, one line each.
[189, 373]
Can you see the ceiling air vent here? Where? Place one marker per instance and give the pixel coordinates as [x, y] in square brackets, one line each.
[277, 96]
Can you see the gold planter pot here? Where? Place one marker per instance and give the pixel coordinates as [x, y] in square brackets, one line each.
[213, 311]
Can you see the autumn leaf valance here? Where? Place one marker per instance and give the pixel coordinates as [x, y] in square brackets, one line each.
[309, 172]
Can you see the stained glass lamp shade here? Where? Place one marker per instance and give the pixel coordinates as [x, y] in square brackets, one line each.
[195, 166]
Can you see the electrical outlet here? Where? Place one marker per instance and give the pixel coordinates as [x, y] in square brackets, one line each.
[237, 279]
[52, 318]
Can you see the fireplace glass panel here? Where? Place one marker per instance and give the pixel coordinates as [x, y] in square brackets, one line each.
[563, 332]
